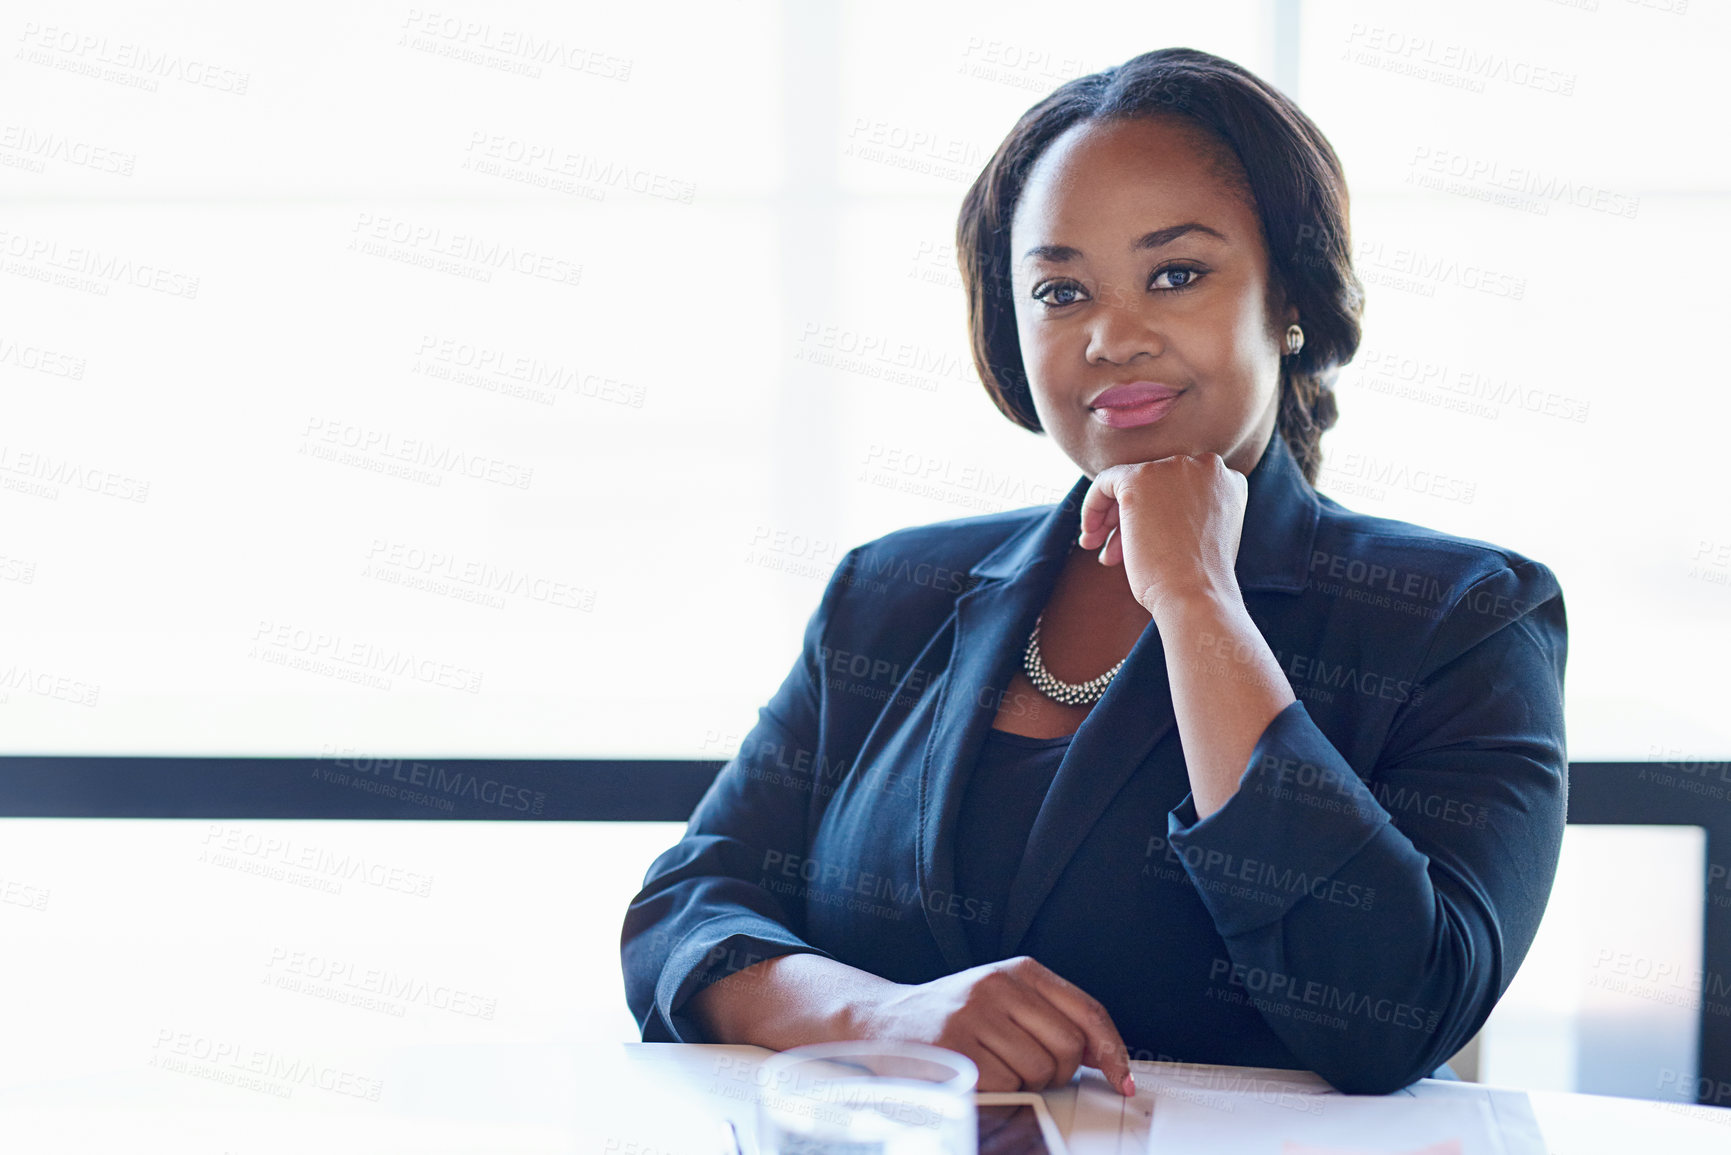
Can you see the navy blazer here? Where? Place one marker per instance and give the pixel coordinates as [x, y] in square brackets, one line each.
[1355, 909]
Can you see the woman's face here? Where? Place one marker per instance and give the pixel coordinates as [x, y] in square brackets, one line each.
[1147, 267]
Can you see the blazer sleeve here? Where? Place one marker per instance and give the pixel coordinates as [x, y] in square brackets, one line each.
[1374, 922]
[703, 913]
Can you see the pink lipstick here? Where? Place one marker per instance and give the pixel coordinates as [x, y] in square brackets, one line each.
[1135, 404]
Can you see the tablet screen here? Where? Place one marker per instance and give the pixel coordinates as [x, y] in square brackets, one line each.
[1010, 1129]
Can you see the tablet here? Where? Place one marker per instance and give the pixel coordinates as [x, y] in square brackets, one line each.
[1016, 1123]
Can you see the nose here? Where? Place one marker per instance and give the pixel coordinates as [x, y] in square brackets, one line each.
[1121, 328]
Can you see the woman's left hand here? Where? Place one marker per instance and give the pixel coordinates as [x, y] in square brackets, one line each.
[1178, 522]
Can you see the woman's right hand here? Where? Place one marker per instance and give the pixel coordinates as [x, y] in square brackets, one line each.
[1025, 1027]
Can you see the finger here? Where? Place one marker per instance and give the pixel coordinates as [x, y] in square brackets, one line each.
[1100, 505]
[1072, 1023]
[1105, 520]
[995, 1074]
[1025, 1054]
[1113, 551]
[1106, 1049]
[1056, 1031]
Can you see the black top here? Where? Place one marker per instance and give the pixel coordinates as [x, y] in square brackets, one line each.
[998, 807]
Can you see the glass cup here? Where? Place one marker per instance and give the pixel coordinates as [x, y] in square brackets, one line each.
[867, 1099]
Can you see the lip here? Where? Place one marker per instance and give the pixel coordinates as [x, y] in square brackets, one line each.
[1135, 404]
[1134, 393]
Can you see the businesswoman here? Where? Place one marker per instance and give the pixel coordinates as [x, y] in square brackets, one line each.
[1197, 764]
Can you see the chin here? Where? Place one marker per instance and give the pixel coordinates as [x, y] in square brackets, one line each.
[1151, 443]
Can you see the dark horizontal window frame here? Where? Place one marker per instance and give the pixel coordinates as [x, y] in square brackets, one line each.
[472, 789]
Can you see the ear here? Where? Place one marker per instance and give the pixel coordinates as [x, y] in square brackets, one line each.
[1282, 312]
[1288, 310]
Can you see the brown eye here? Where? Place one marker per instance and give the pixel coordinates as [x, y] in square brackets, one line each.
[1189, 273]
[1050, 291]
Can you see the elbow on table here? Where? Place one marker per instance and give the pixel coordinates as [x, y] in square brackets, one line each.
[652, 1025]
[1364, 1078]
[1403, 1045]
[640, 1000]
[641, 968]
[1380, 1067]
[645, 962]
[1395, 1036]
[656, 1029]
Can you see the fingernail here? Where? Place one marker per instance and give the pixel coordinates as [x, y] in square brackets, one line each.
[1128, 1086]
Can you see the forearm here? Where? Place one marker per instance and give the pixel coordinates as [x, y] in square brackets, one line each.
[1227, 686]
[1370, 971]
[1400, 937]
[1377, 974]
[786, 1001]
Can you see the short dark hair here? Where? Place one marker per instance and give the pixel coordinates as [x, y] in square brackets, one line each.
[1263, 146]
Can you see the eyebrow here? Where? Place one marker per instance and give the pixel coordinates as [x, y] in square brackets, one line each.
[1058, 254]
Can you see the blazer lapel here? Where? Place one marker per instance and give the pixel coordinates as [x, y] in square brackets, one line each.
[991, 625]
[1114, 740]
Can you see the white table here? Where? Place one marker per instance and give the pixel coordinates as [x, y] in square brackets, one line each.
[611, 1099]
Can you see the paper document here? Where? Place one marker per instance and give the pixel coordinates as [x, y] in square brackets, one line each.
[1180, 1108]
